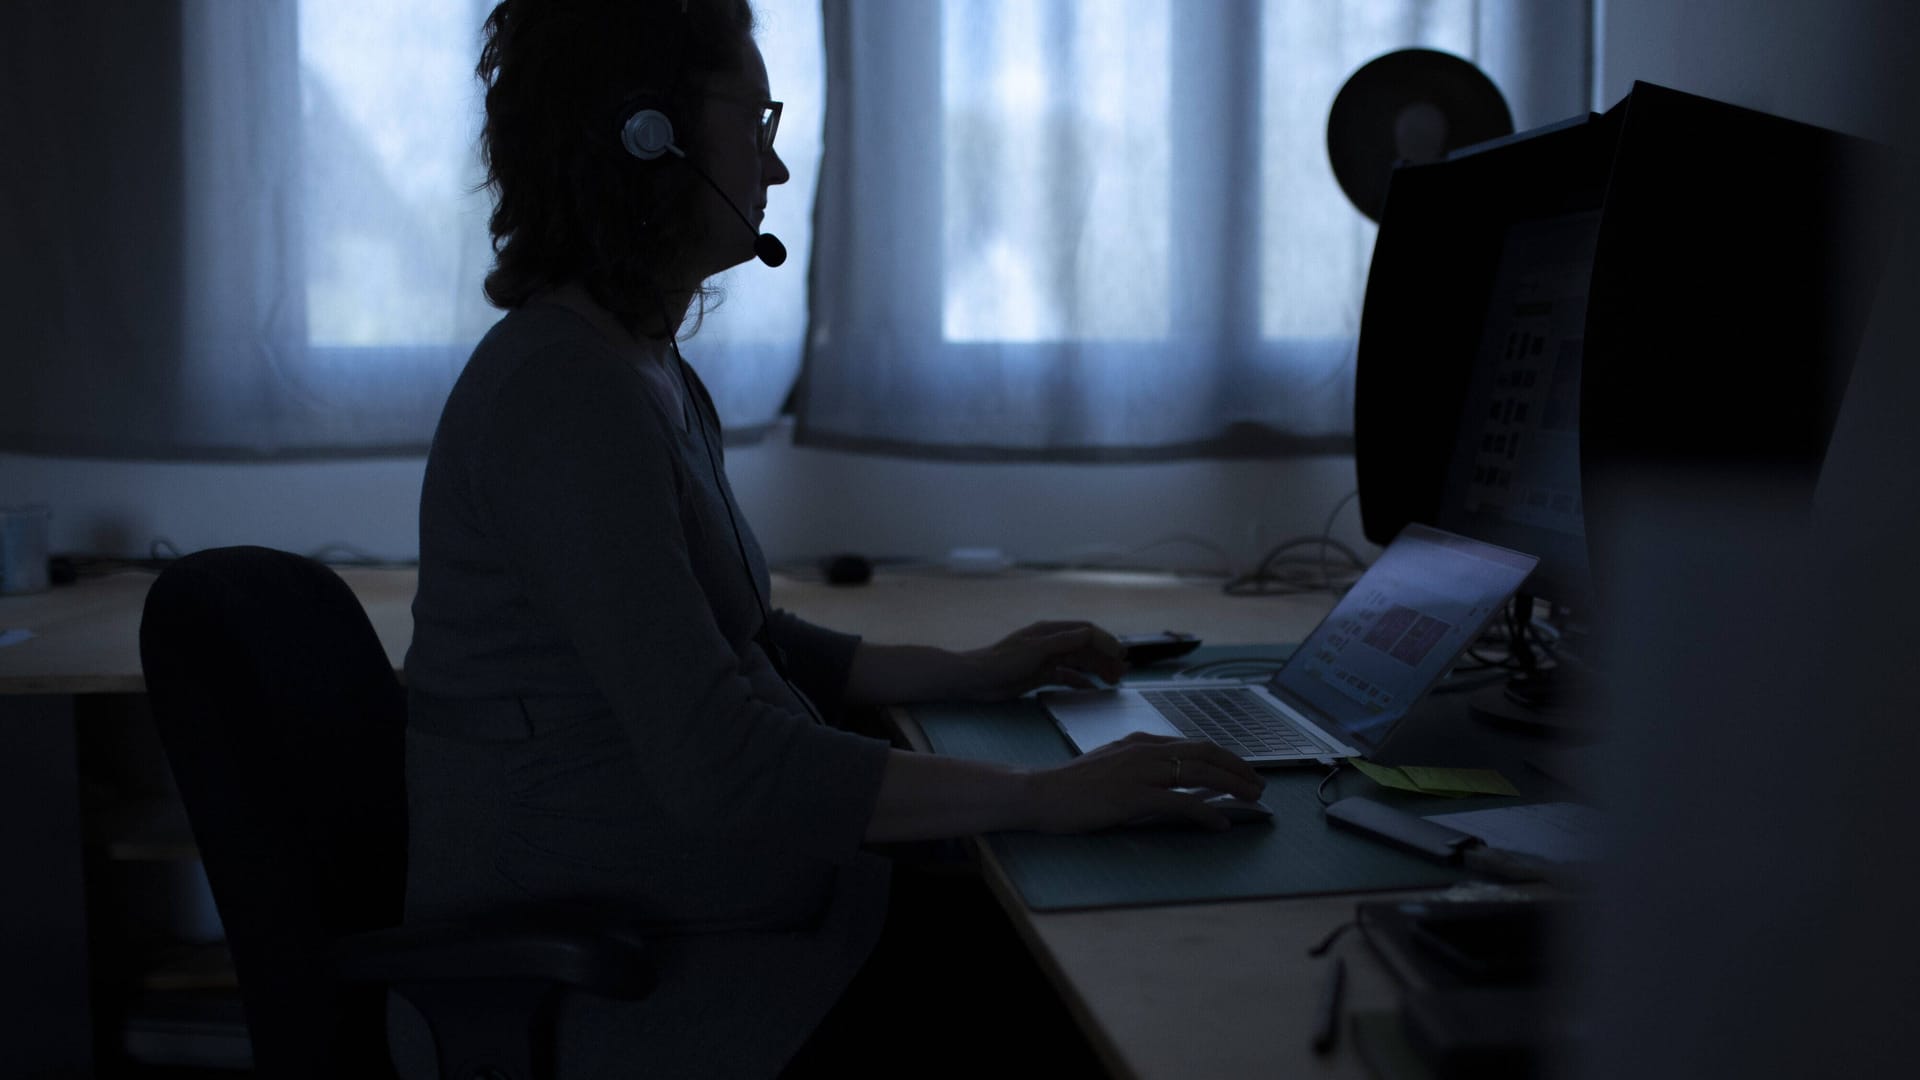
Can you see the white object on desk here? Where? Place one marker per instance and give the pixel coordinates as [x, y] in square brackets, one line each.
[1560, 832]
[977, 560]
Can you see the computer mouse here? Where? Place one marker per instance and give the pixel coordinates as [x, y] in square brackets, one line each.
[848, 570]
[1240, 810]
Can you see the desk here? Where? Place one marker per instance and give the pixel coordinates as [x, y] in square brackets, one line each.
[1176, 991]
[1183, 990]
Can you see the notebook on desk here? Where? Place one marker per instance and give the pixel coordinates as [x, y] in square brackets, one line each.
[1380, 649]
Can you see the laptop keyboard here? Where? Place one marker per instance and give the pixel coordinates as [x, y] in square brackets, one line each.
[1235, 718]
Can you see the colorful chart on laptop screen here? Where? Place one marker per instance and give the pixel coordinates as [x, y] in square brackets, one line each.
[1393, 636]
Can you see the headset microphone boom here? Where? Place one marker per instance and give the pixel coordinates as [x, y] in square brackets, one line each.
[648, 134]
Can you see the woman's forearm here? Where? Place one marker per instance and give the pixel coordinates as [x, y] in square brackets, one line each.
[895, 674]
[929, 797]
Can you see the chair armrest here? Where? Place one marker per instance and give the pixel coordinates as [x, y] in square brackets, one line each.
[599, 959]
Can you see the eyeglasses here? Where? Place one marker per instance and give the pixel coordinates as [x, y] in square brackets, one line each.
[769, 125]
[769, 117]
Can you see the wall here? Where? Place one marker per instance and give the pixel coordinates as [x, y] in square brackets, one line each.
[1830, 62]
[1842, 64]
[802, 503]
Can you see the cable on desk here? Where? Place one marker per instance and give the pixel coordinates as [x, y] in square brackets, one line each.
[1326, 534]
[1320, 792]
[1281, 574]
[1461, 680]
[1257, 581]
[1232, 667]
[1512, 637]
[340, 553]
[1334, 935]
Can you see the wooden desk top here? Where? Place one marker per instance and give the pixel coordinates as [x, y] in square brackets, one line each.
[964, 612]
[1187, 990]
[87, 635]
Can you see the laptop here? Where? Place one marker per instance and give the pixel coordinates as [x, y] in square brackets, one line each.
[1381, 648]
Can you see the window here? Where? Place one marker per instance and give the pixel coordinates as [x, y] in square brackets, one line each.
[1057, 170]
[1314, 246]
[393, 222]
[1101, 230]
[1061, 122]
[395, 237]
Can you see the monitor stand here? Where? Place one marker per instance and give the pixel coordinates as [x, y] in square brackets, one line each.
[1557, 700]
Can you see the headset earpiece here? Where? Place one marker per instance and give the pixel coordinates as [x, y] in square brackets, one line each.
[648, 134]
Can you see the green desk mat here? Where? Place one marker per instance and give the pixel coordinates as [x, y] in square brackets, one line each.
[1298, 854]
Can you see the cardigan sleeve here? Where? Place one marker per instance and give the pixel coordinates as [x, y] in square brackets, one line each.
[818, 659]
[575, 476]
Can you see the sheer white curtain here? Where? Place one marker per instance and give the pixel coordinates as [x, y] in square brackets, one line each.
[253, 230]
[1105, 229]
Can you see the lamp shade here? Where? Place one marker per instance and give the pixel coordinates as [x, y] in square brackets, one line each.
[1413, 105]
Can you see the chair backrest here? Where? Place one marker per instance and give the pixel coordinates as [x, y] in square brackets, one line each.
[284, 727]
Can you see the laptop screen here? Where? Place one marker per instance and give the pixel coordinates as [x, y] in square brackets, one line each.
[1399, 629]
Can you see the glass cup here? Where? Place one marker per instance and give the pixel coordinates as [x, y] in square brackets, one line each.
[23, 548]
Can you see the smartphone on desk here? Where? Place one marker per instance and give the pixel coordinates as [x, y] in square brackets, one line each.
[1144, 650]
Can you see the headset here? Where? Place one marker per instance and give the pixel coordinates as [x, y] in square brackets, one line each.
[646, 134]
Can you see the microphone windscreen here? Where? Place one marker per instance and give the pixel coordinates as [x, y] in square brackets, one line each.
[770, 249]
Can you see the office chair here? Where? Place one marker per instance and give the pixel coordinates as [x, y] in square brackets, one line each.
[284, 725]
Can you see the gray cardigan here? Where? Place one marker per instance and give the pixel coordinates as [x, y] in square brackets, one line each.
[594, 714]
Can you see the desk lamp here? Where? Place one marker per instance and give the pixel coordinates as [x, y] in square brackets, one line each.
[1413, 106]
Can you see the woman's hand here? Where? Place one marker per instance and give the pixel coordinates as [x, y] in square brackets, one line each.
[1132, 779]
[1045, 653]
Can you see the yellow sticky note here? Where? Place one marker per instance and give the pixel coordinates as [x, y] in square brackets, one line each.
[1384, 775]
[1429, 780]
[1459, 781]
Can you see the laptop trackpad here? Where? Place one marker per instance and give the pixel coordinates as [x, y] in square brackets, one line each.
[1093, 718]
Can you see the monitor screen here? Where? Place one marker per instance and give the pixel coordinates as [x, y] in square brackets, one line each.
[1513, 477]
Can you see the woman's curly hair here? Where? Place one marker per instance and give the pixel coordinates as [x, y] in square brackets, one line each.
[569, 202]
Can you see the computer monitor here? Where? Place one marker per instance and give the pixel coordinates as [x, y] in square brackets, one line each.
[1513, 476]
[1556, 320]
[1678, 285]
[1467, 403]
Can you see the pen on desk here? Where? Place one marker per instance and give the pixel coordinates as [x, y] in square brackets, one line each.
[1328, 1030]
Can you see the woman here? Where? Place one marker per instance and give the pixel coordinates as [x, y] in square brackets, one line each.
[603, 707]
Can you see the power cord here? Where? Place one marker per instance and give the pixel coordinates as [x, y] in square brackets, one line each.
[1279, 573]
[340, 553]
[1518, 642]
[1235, 667]
[1320, 792]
